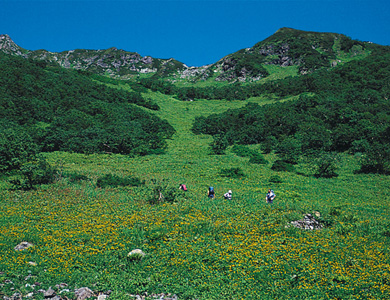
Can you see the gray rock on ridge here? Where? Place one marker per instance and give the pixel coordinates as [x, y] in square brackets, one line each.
[307, 223]
[8, 46]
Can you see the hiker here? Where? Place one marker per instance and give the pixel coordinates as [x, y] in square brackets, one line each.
[183, 187]
[228, 195]
[270, 196]
[211, 193]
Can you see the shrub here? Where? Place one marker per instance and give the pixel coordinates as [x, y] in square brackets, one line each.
[115, 181]
[162, 191]
[254, 156]
[376, 159]
[335, 211]
[75, 177]
[232, 173]
[275, 179]
[16, 147]
[218, 145]
[268, 144]
[281, 165]
[386, 230]
[326, 166]
[242, 150]
[257, 158]
[35, 172]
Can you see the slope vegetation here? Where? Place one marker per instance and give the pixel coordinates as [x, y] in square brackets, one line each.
[66, 110]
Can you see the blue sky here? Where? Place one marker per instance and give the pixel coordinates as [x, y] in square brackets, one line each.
[195, 32]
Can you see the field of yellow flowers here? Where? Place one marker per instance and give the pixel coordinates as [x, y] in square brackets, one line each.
[198, 248]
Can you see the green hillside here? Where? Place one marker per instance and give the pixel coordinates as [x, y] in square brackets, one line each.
[65, 110]
[319, 140]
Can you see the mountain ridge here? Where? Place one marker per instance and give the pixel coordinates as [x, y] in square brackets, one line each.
[287, 47]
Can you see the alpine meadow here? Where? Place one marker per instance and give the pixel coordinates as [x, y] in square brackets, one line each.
[95, 143]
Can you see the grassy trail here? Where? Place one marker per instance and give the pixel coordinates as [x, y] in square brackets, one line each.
[181, 115]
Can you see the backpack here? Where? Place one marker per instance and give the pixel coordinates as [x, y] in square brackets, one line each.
[211, 190]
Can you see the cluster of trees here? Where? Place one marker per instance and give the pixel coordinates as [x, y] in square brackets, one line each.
[349, 112]
[59, 109]
[234, 91]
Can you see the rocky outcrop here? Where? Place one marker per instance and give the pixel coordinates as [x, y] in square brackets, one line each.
[8, 46]
[111, 61]
[308, 222]
[277, 55]
[23, 246]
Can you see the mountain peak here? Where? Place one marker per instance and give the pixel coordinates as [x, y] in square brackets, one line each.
[7, 45]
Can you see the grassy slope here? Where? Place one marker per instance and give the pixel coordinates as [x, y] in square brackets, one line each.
[199, 248]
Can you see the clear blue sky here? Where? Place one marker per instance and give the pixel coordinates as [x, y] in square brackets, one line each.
[195, 32]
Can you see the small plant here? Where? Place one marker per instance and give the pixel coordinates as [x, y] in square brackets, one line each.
[232, 173]
[75, 177]
[335, 211]
[275, 179]
[135, 255]
[115, 181]
[386, 230]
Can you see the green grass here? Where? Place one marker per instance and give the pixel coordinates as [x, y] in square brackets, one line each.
[199, 248]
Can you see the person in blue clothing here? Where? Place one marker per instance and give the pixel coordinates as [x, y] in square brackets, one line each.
[211, 192]
[270, 196]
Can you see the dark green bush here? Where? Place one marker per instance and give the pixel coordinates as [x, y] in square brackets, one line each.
[386, 230]
[254, 156]
[16, 147]
[75, 177]
[218, 145]
[280, 165]
[335, 211]
[257, 158]
[110, 180]
[376, 159]
[34, 172]
[242, 150]
[275, 179]
[326, 165]
[232, 173]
